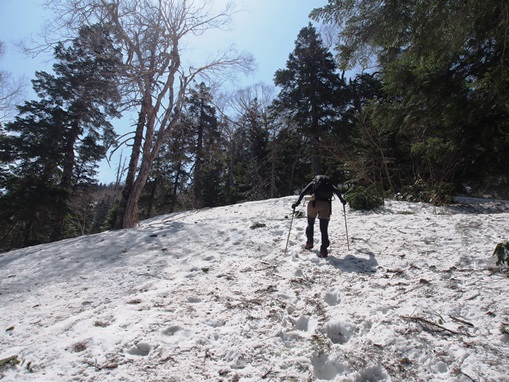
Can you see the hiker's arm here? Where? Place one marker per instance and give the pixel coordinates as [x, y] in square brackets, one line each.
[305, 191]
[338, 193]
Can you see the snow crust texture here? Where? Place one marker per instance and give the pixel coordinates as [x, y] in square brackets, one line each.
[210, 295]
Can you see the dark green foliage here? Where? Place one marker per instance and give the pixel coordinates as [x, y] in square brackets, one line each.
[109, 220]
[188, 172]
[249, 152]
[419, 191]
[206, 147]
[168, 187]
[52, 147]
[444, 69]
[312, 93]
[292, 162]
[364, 198]
[299, 214]
[501, 252]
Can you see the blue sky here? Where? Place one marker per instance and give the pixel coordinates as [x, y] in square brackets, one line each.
[265, 28]
[19, 19]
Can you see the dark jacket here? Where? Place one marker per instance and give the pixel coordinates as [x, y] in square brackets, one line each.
[308, 190]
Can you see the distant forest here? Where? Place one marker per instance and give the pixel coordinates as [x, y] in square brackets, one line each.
[425, 118]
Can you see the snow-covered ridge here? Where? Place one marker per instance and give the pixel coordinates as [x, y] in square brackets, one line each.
[210, 295]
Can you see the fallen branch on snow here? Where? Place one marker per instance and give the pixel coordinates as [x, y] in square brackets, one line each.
[462, 321]
[424, 322]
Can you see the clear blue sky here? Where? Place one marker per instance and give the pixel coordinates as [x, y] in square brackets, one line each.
[19, 19]
[265, 28]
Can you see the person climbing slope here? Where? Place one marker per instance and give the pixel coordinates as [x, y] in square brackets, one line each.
[320, 205]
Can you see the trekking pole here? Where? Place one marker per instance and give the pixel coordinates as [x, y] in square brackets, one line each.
[290, 230]
[346, 227]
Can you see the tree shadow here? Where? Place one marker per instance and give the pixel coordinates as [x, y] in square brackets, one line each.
[465, 205]
[351, 263]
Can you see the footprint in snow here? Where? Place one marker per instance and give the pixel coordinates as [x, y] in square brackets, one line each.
[140, 349]
[171, 330]
[332, 297]
[305, 323]
[328, 369]
[339, 332]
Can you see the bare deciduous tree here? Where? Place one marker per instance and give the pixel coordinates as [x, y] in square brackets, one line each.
[11, 90]
[153, 35]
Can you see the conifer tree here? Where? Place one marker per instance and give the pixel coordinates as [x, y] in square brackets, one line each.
[256, 142]
[445, 69]
[202, 121]
[54, 144]
[311, 91]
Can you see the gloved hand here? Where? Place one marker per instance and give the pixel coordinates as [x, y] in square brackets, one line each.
[294, 205]
[343, 201]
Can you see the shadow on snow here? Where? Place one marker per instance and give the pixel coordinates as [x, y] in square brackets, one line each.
[351, 263]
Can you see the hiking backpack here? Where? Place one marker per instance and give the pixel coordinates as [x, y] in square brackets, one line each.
[323, 188]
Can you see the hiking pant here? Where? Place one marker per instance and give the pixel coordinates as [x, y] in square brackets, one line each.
[322, 209]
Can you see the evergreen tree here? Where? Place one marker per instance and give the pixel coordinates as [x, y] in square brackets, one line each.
[366, 147]
[311, 91]
[292, 164]
[53, 145]
[445, 70]
[249, 172]
[252, 174]
[201, 117]
[168, 185]
[249, 168]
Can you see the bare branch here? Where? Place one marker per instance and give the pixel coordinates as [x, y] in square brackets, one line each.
[12, 90]
[151, 34]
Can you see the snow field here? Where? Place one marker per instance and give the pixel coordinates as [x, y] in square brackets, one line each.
[210, 295]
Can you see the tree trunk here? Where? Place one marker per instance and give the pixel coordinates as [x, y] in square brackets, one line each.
[130, 217]
[133, 166]
[197, 202]
[315, 140]
[149, 153]
[61, 203]
[231, 181]
[316, 155]
[273, 189]
[175, 188]
[27, 233]
[152, 197]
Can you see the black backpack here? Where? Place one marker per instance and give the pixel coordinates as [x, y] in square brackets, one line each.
[323, 188]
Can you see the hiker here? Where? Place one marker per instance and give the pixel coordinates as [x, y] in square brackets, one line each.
[320, 204]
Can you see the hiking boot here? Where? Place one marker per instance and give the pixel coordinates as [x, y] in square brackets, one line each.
[323, 252]
[309, 245]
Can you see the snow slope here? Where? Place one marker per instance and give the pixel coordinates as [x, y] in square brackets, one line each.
[210, 295]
